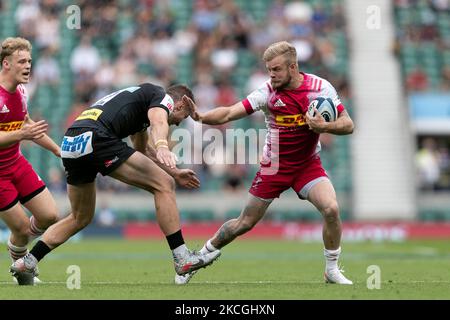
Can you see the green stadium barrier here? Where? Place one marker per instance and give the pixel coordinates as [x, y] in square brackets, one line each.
[127, 215]
[434, 214]
[196, 215]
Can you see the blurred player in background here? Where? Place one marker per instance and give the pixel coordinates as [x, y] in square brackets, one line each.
[18, 181]
[284, 99]
[94, 144]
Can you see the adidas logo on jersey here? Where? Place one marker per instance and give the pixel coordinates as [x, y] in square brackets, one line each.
[279, 103]
[4, 109]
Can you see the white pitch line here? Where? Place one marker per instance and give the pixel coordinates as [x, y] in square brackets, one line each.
[202, 282]
[313, 282]
[221, 282]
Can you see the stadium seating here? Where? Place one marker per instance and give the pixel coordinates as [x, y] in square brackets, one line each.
[425, 53]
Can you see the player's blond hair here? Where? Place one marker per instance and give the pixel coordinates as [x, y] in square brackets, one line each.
[11, 45]
[282, 48]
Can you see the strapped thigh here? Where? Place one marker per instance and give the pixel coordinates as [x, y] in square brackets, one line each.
[303, 193]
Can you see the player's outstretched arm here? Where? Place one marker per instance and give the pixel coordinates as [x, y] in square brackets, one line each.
[44, 141]
[30, 130]
[9, 138]
[219, 115]
[184, 177]
[342, 126]
[159, 131]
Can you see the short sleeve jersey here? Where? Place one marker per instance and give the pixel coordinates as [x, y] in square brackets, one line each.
[13, 108]
[124, 112]
[284, 112]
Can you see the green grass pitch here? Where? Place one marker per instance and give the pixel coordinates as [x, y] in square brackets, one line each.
[247, 269]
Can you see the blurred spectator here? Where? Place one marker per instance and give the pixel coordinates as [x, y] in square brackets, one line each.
[337, 18]
[298, 12]
[433, 163]
[326, 52]
[261, 37]
[47, 31]
[85, 58]
[142, 47]
[205, 17]
[52, 7]
[104, 79]
[445, 84]
[55, 183]
[429, 33]
[440, 5]
[27, 14]
[235, 176]
[427, 160]
[186, 39]
[224, 58]
[235, 23]
[319, 18]
[162, 22]
[46, 70]
[104, 23]
[125, 71]
[417, 80]
[276, 10]
[205, 92]
[304, 49]
[164, 50]
[106, 216]
[226, 94]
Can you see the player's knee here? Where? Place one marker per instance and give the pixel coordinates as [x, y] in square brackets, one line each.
[170, 183]
[21, 230]
[331, 212]
[166, 184]
[82, 221]
[51, 218]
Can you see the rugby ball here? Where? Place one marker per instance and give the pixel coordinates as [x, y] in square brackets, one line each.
[326, 108]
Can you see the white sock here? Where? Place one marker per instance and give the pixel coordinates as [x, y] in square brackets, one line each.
[208, 247]
[16, 252]
[331, 258]
[35, 232]
[181, 250]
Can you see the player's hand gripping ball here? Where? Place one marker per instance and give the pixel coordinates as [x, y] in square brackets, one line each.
[325, 107]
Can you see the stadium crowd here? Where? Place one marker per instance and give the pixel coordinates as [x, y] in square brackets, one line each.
[423, 43]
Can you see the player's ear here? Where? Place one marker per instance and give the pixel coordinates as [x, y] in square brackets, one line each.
[5, 63]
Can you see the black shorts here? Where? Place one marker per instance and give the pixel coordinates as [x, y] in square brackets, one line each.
[87, 151]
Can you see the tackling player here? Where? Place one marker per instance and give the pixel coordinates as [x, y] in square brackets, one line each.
[94, 144]
[284, 100]
[19, 183]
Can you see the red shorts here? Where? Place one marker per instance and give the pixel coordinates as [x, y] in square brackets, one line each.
[299, 179]
[18, 182]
